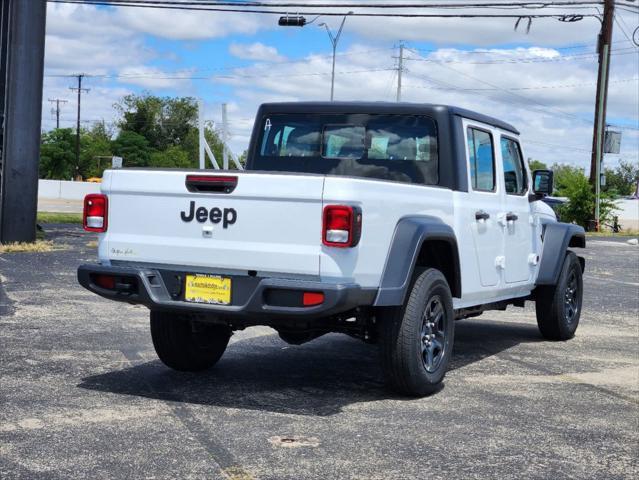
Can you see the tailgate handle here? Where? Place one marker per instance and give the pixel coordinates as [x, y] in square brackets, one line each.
[211, 183]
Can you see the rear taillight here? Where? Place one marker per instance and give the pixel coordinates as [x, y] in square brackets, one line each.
[104, 281]
[310, 299]
[342, 226]
[96, 208]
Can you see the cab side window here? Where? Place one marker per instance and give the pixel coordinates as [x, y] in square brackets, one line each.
[481, 159]
[515, 178]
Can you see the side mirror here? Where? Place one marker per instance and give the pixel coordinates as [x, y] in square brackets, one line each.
[542, 184]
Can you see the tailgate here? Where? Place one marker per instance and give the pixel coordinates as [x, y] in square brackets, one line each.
[267, 223]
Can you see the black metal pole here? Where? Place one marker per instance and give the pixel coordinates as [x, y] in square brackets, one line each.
[23, 110]
[4, 50]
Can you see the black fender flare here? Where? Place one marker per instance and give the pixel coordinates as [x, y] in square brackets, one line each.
[408, 238]
[556, 240]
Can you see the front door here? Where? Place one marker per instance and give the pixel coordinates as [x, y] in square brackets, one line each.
[516, 217]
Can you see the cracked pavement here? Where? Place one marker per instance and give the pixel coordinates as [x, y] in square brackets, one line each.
[83, 395]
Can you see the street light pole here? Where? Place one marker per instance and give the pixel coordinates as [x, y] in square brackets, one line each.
[300, 21]
[334, 40]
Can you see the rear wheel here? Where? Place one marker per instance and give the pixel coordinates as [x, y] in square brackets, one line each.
[558, 306]
[416, 340]
[186, 345]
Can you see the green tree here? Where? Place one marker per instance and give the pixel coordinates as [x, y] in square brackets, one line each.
[57, 154]
[622, 180]
[95, 151]
[571, 182]
[242, 158]
[133, 148]
[536, 165]
[172, 157]
[163, 121]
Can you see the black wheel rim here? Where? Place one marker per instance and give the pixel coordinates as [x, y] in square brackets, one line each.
[571, 298]
[433, 334]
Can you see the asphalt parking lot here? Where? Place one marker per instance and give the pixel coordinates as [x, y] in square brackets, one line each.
[82, 394]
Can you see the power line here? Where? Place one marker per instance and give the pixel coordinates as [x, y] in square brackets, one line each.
[213, 77]
[537, 87]
[566, 147]
[252, 5]
[564, 17]
[619, 20]
[168, 75]
[526, 100]
[621, 51]
[310, 57]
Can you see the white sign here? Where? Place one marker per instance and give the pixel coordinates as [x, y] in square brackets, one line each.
[116, 162]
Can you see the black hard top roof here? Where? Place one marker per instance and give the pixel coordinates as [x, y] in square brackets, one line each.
[384, 107]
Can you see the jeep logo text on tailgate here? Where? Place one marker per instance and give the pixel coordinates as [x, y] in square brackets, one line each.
[227, 216]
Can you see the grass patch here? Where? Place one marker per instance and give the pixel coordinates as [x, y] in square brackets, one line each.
[55, 217]
[39, 246]
[623, 233]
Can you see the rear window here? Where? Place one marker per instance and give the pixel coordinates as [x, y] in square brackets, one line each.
[389, 147]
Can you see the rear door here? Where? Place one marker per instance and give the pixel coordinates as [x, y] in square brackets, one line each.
[484, 202]
[516, 217]
[261, 222]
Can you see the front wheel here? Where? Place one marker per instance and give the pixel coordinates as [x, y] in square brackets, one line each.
[558, 307]
[186, 345]
[416, 340]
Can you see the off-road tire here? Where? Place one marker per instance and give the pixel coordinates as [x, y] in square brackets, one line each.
[186, 345]
[558, 307]
[402, 342]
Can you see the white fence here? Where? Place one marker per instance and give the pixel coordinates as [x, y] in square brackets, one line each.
[65, 190]
[628, 213]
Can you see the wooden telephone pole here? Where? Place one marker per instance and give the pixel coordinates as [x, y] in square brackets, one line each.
[603, 48]
[78, 89]
[57, 102]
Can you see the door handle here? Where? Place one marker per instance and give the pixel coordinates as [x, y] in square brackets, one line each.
[481, 215]
[511, 217]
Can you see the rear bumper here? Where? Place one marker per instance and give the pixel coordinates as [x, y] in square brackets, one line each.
[161, 289]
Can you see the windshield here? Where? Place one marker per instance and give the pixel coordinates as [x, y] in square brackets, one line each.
[390, 147]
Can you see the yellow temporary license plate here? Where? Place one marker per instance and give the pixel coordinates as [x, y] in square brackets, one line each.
[208, 289]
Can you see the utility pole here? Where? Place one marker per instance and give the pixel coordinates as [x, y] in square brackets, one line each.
[225, 139]
[22, 27]
[57, 102]
[603, 48]
[400, 69]
[79, 89]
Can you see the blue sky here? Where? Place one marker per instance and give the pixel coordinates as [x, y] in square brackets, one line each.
[543, 82]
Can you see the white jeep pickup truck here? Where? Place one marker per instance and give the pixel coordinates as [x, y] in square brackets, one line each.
[386, 222]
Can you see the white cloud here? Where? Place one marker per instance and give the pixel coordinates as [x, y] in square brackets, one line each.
[188, 25]
[555, 120]
[82, 38]
[155, 78]
[255, 51]
[107, 41]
